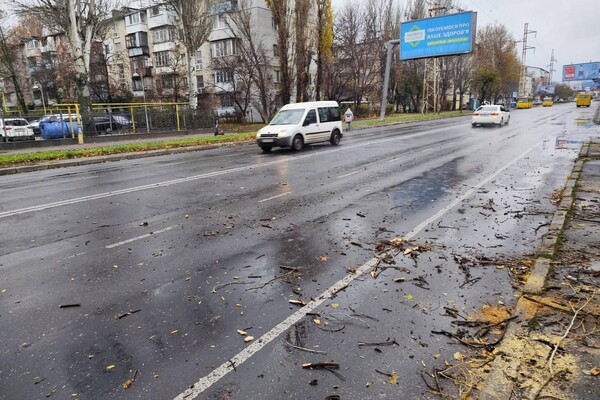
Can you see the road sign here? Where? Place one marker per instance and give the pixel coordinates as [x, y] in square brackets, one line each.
[581, 72]
[438, 36]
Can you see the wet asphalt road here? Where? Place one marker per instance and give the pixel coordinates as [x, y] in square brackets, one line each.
[164, 259]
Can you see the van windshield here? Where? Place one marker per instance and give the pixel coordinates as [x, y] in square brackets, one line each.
[288, 117]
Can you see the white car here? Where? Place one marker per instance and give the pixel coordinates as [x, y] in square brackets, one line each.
[490, 115]
[15, 129]
[298, 124]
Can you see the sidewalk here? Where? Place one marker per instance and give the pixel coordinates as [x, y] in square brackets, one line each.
[552, 351]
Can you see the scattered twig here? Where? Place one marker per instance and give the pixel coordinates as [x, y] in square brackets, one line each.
[575, 312]
[305, 349]
[221, 286]
[118, 317]
[325, 364]
[389, 342]
[274, 279]
[69, 305]
[539, 391]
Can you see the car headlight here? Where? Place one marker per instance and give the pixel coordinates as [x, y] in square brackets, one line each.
[282, 134]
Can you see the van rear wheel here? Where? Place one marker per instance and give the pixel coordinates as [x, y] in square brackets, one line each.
[297, 143]
[335, 138]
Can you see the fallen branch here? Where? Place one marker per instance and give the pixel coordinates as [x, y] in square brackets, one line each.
[273, 279]
[326, 364]
[556, 306]
[118, 317]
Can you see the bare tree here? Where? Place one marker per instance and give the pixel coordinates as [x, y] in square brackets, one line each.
[255, 59]
[194, 26]
[11, 64]
[282, 15]
[82, 22]
[304, 48]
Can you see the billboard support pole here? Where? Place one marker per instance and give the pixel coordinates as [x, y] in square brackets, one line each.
[386, 79]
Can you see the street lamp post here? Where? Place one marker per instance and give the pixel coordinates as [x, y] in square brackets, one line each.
[36, 86]
[136, 76]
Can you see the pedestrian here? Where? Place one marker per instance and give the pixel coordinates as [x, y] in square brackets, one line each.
[348, 117]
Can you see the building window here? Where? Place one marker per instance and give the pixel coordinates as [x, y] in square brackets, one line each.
[32, 62]
[200, 81]
[198, 60]
[276, 76]
[223, 48]
[162, 35]
[220, 22]
[33, 44]
[275, 50]
[116, 29]
[162, 58]
[130, 41]
[154, 11]
[118, 47]
[223, 77]
[136, 18]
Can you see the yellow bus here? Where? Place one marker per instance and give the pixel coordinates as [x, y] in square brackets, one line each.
[524, 102]
[584, 99]
[547, 102]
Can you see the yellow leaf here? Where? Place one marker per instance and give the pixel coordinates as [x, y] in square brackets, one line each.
[393, 378]
[458, 356]
[248, 339]
[335, 305]
[115, 266]
[408, 297]
[317, 321]
[500, 266]
[174, 332]
[592, 372]
[323, 258]
[436, 356]
[110, 367]
[401, 279]
[127, 384]
[368, 384]
[241, 332]
[3, 290]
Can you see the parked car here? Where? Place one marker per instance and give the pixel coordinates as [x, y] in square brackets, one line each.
[15, 129]
[302, 123]
[123, 121]
[490, 115]
[106, 125]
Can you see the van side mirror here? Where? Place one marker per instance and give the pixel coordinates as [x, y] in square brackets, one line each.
[306, 122]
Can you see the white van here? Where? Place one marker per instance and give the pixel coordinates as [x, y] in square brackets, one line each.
[298, 124]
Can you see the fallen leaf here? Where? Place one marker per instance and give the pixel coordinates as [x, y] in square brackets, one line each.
[248, 339]
[592, 372]
[323, 258]
[335, 305]
[112, 366]
[393, 378]
[458, 356]
[408, 297]
[436, 356]
[241, 332]
[317, 321]
[401, 279]
[127, 384]
[500, 266]
[174, 332]
[368, 384]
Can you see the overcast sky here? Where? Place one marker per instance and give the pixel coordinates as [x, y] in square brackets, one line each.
[570, 27]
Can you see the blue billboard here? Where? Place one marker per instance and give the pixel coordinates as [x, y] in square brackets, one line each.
[581, 72]
[438, 36]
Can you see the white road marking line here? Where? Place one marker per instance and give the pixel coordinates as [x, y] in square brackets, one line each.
[206, 382]
[274, 197]
[348, 174]
[98, 196]
[147, 235]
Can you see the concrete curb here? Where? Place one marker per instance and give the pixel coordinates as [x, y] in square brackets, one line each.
[498, 384]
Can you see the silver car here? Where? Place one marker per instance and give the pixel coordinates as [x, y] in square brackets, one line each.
[490, 115]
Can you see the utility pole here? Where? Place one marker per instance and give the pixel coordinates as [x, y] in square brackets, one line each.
[552, 59]
[523, 90]
[431, 77]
